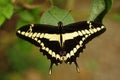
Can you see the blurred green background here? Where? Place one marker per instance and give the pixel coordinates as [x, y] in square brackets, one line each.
[20, 60]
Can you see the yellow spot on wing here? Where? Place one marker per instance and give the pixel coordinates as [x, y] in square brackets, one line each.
[68, 36]
[52, 37]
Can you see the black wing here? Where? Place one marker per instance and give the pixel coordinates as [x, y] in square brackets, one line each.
[44, 36]
[76, 35]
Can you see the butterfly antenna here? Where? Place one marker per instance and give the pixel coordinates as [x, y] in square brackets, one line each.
[66, 15]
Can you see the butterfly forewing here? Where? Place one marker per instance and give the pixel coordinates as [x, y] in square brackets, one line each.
[35, 32]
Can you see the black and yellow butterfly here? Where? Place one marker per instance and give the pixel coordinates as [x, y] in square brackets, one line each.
[61, 43]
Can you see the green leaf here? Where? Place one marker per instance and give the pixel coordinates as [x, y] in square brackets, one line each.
[8, 11]
[2, 19]
[4, 2]
[35, 11]
[99, 9]
[53, 15]
[21, 23]
[26, 16]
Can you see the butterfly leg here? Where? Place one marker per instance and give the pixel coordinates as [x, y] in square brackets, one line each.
[77, 67]
[50, 69]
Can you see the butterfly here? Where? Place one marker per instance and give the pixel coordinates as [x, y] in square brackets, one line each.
[61, 43]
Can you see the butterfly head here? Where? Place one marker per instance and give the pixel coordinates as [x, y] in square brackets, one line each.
[60, 23]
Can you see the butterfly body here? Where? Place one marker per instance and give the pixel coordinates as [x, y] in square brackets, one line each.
[61, 43]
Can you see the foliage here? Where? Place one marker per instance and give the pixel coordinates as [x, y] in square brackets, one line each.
[6, 10]
[99, 9]
[19, 54]
[54, 15]
[28, 16]
[19, 57]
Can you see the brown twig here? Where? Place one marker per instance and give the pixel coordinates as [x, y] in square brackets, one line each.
[24, 4]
